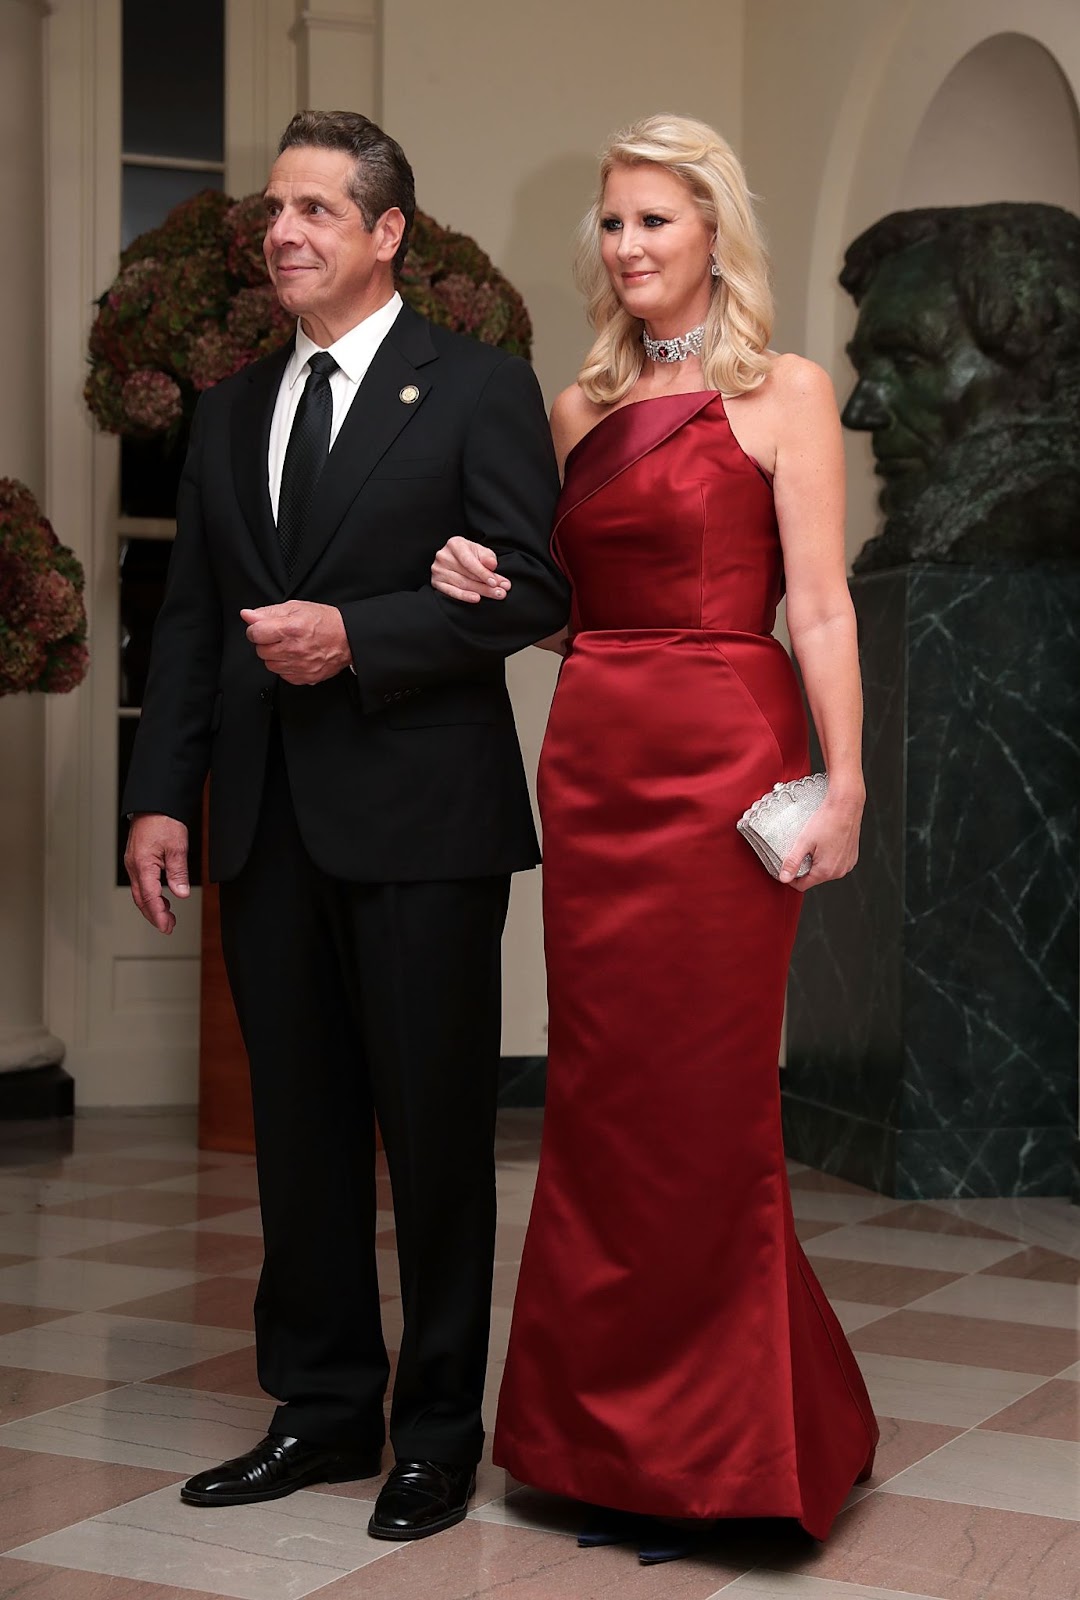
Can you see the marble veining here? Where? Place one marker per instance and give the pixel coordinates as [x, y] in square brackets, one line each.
[933, 1008]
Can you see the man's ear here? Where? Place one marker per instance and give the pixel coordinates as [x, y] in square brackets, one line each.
[388, 233]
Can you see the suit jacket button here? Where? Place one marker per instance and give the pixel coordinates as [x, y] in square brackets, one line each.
[266, 695]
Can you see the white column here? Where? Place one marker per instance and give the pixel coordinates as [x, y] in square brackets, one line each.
[339, 50]
[24, 1040]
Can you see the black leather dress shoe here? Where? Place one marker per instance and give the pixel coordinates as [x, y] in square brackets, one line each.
[277, 1466]
[421, 1497]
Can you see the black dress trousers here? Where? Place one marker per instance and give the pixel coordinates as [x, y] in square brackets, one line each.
[357, 1001]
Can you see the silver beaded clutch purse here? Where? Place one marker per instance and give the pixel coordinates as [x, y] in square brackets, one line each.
[772, 824]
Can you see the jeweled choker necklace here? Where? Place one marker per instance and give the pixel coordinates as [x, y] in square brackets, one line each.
[681, 348]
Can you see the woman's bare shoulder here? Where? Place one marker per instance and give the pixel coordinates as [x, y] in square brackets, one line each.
[793, 377]
[572, 415]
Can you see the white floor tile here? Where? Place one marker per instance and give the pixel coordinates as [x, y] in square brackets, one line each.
[1055, 1224]
[853, 1314]
[797, 1586]
[247, 1222]
[34, 1233]
[1010, 1472]
[85, 1285]
[98, 1344]
[529, 1508]
[938, 1391]
[174, 1430]
[26, 1193]
[1042, 1305]
[281, 1551]
[908, 1247]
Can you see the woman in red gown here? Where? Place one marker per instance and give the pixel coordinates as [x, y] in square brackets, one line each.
[672, 1354]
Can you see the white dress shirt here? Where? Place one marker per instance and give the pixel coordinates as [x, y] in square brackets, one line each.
[354, 353]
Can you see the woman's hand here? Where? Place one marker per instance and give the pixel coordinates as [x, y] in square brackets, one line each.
[465, 570]
[831, 838]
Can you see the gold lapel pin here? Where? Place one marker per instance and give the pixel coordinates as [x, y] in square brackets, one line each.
[409, 395]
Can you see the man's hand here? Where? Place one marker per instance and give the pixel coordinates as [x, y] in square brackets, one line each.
[301, 641]
[157, 842]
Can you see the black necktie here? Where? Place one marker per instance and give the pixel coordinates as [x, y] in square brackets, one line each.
[305, 456]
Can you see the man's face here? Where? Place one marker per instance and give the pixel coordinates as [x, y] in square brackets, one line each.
[923, 382]
[325, 265]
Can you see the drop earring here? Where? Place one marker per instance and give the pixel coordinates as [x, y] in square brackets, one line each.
[714, 266]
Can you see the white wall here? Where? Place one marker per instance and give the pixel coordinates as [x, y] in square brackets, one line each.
[1003, 126]
[837, 95]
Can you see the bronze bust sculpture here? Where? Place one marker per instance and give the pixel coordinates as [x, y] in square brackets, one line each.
[967, 350]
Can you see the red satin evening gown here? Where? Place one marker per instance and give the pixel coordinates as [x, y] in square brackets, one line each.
[672, 1352]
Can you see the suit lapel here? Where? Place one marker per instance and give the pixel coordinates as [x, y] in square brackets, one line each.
[252, 415]
[374, 420]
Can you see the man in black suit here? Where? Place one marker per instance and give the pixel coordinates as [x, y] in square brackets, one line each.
[368, 805]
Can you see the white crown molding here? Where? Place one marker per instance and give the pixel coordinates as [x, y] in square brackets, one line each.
[312, 21]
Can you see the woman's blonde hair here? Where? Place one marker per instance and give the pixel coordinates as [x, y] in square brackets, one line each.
[734, 357]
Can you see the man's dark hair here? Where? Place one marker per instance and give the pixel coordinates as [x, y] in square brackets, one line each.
[1015, 268]
[382, 178]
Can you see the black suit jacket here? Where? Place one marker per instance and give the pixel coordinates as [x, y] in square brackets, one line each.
[410, 769]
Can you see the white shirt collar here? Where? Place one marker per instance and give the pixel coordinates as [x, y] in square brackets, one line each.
[353, 352]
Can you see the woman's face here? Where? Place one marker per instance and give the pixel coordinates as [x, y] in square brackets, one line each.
[655, 245]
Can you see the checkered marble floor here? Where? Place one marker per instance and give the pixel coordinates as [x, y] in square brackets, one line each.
[127, 1269]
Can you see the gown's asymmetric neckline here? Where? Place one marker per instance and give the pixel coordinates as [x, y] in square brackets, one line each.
[672, 1352]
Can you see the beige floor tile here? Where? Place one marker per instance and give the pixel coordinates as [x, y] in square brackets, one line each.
[806, 1229]
[1045, 1305]
[531, 1508]
[281, 1551]
[797, 1586]
[24, 1392]
[26, 1193]
[925, 1217]
[1053, 1224]
[822, 1205]
[854, 1315]
[174, 1430]
[973, 1341]
[1011, 1472]
[102, 1344]
[1051, 1411]
[84, 1285]
[908, 1247]
[507, 1563]
[120, 1170]
[183, 1250]
[153, 1208]
[230, 1182]
[949, 1550]
[1072, 1372]
[30, 1581]
[247, 1223]
[39, 1494]
[43, 1233]
[939, 1391]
